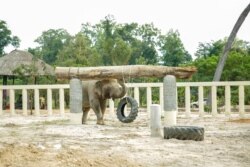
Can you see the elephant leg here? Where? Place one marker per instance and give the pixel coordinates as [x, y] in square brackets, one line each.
[95, 105]
[85, 114]
[103, 107]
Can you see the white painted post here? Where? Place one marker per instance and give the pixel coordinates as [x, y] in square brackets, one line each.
[201, 103]
[137, 95]
[187, 101]
[49, 101]
[161, 100]
[227, 100]
[61, 98]
[1, 101]
[170, 99]
[241, 101]
[149, 100]
[12, 101]
[214, 101]
[155, 120]
[37, 101]
[25, 102]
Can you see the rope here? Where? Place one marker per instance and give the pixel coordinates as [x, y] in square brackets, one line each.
[129, 79]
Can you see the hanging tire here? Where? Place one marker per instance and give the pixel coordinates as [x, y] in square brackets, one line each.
[184, 133]
[120, 110]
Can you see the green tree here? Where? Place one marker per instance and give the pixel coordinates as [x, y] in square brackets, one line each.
[51, 42]
[149, 43]
[129, 41]
[6, 38]
[78, 52]
[172, 49]
[209, 49]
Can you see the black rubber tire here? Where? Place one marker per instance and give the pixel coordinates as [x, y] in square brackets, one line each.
[184, 133]
[120, 110]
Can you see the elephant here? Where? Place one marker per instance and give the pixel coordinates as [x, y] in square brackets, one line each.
[96, 93]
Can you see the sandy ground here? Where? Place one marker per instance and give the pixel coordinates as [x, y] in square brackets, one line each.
[55, 141]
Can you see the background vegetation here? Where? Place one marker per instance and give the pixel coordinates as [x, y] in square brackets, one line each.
[110, 43]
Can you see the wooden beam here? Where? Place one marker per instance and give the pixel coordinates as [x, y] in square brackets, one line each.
[119, 72]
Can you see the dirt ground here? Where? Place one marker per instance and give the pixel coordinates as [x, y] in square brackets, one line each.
[55, 141]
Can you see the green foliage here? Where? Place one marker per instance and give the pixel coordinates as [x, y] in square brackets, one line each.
[123, 43]
[77, 52]
[51, 42]
[6, 38]
[173, 51]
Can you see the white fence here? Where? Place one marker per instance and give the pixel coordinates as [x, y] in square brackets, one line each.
[134, 90]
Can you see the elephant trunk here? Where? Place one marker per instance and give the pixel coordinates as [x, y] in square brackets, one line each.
[124, 88]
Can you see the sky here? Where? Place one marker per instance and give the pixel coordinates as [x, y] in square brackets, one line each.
[196, 20]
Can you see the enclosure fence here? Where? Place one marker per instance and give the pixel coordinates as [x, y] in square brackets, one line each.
[226, 98]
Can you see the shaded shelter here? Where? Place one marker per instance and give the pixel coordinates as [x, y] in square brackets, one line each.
[25, 63]
[18, 58]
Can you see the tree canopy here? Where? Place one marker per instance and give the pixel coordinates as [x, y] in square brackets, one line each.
[6, 37]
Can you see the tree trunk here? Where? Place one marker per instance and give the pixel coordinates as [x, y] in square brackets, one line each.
[229, 43]
[120, 72]
[230, 40]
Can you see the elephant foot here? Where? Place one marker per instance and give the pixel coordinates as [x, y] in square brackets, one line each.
[84, 123]
[100, 122]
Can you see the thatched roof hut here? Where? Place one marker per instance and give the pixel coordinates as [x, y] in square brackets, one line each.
[18, 58]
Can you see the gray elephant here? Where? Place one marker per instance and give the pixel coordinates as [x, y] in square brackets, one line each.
[96, 93]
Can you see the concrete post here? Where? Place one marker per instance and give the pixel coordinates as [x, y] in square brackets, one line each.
[155, 120]
[75, 95]
[170, 100]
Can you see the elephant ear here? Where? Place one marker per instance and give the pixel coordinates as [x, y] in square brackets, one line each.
[98, 88]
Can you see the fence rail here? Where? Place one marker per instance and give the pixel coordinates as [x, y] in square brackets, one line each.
[189, 91]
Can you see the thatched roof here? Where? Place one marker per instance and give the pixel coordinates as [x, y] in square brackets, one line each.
[18, 58]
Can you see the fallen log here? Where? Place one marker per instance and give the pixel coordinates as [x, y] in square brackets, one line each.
[119, 72]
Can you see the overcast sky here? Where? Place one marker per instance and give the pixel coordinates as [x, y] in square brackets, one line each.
[196, 20]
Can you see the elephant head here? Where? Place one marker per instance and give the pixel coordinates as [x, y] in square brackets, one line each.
[110, 88]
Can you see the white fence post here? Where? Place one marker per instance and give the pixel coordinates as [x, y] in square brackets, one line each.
[49, 101]
[12, 101]
[137, 95]
[1, 101]
[25, 102]
[214, 100]
[161, 100]
[61, 98]
[241, 101]
[149, 100]
[37, 101]
[227, 100]
[201, 101]
[187, 101]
